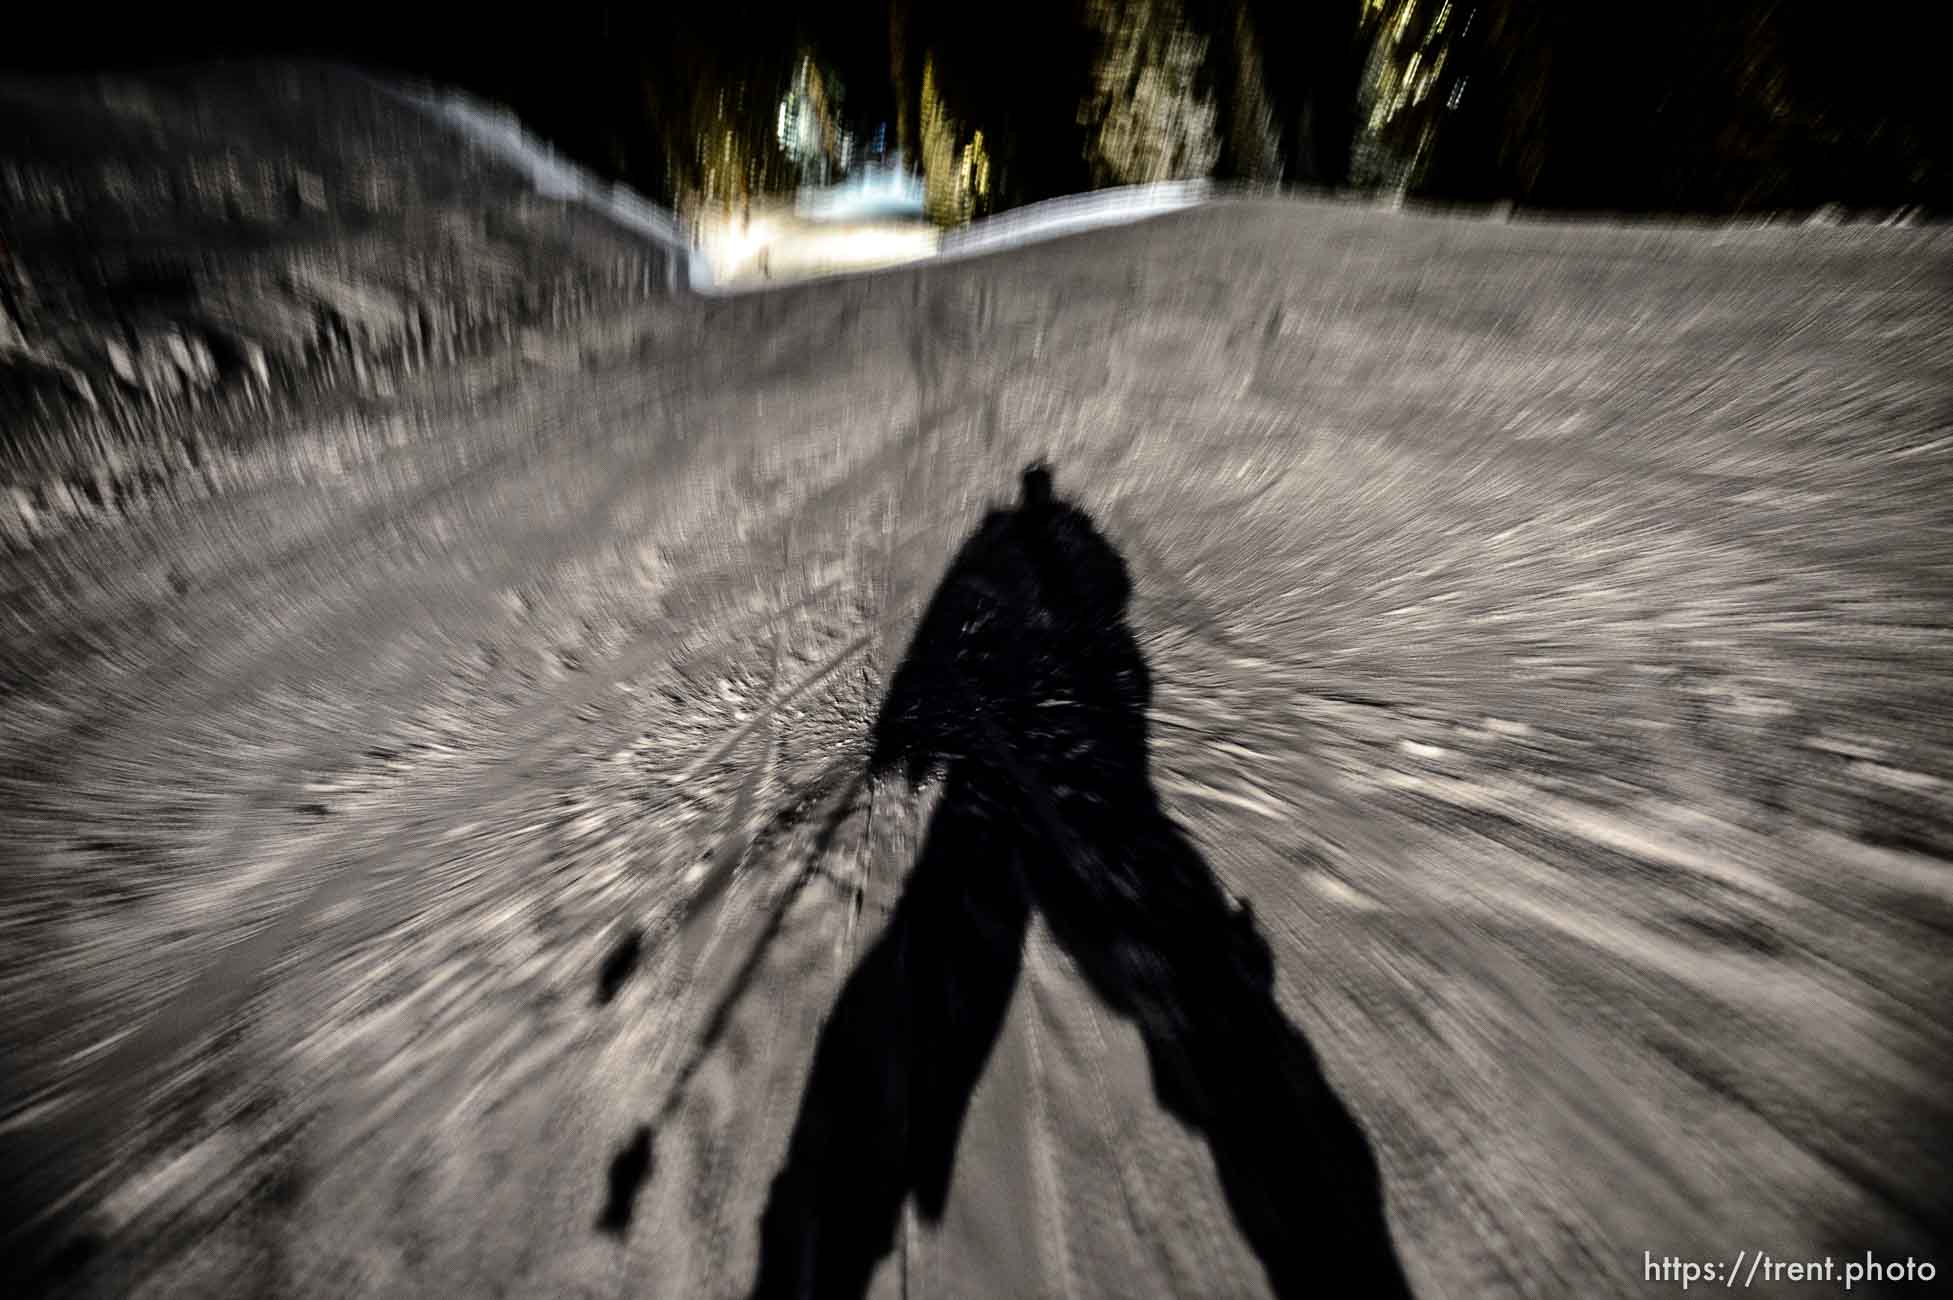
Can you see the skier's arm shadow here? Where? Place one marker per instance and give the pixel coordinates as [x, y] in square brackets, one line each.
[1025, 694]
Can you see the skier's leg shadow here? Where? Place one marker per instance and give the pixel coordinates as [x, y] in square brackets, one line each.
[1025, 693]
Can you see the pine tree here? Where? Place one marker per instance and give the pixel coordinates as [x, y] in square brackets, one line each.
[1405, 86]
[940, 188]
[1146, 119]
[1256, 141]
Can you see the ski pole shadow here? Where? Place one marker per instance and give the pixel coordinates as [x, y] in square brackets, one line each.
[1024, 693]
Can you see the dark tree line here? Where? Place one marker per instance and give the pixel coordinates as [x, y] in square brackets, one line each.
[1689, 105]
[1676, 105]
[1663, 105]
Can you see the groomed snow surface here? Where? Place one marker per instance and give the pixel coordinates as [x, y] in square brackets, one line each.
[453, 857]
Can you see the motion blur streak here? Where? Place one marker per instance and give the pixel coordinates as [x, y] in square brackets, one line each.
[1285, 745]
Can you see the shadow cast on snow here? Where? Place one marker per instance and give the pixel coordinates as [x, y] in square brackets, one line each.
[1025, 693]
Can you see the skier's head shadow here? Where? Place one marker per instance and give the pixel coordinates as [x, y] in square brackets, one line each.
[1024, 695]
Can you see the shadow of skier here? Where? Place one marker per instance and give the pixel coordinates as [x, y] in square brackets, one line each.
[1026, 694]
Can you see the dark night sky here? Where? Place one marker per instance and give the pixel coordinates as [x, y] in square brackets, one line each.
[563, 50]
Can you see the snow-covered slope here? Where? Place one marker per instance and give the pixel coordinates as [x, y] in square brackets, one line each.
[499, 133]
[189, 254]
[1097, 210]
[1500, 667]
[875, 193]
